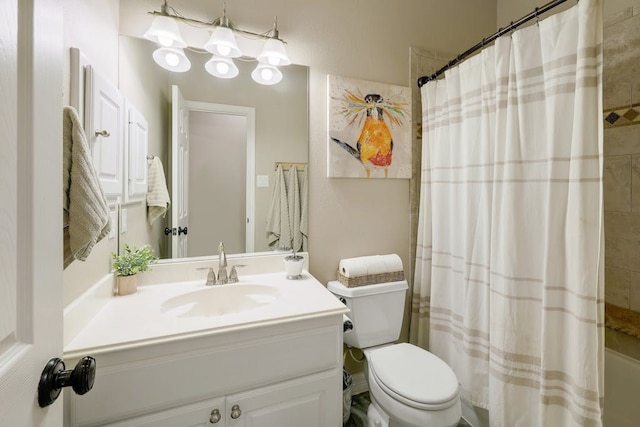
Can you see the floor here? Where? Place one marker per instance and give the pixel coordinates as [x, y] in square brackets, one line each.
[359, 405]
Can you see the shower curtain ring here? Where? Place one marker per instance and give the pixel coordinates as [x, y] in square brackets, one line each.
[537, 16]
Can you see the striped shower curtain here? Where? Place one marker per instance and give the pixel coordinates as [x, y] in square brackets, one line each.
[509, 271]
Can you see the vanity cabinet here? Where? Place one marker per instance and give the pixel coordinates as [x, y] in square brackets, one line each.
[300, 402]
[288, 373]
[136, 148]
[104, 125]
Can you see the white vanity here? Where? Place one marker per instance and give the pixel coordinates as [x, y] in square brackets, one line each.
[265, 351]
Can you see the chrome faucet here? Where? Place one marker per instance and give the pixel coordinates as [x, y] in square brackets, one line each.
[223, 278]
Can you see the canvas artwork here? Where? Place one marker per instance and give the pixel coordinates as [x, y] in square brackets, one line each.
[369, 133]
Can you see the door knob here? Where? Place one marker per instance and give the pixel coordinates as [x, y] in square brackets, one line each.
[54, 377]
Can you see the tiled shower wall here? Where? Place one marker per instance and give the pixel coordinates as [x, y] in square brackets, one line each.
[621, 91]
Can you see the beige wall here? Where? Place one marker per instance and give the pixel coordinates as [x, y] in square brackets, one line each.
[93, 28]
[366, 40]
[512, 10]
[217, 144]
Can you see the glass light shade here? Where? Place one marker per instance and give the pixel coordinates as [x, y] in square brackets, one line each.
[223, 43]
[266, 74]
[164, 30]
[171, 59]
[274, 53]
[219, 66]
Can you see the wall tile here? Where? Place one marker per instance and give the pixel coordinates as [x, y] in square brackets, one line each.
[616, 289]
[634, 290]
[617, 184]
[622, 240]
[620, 41]
[618, 17]
[621, 89]
[622, 140]
[635, 183]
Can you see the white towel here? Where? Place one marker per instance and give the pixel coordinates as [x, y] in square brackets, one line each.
[304, 210]
[293, 199]
[157, 194]
[278, 228]
[86, 212]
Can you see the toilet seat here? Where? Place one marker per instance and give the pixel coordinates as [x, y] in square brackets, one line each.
[414, 377]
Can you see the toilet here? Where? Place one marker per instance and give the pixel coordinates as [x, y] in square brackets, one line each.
[408, 386]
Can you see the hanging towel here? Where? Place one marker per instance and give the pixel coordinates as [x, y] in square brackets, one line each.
[157, 194]
[86, 212]
[304, 210]
[278, 228]
[293, 199]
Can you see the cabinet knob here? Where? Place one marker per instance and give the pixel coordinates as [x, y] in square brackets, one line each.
[215, 416]
[103, 133]
[235, 412]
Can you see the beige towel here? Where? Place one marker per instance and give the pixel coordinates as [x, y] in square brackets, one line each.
[278, 228]
[86, 212]
[304, 210]
[157, 194]
[293, 199]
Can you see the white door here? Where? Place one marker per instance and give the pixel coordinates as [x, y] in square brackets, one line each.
[31, 208]
[179, 174]
[104, 125]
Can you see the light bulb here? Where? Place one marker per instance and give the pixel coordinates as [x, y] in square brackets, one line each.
[172, 59]
[266, 73]
[222, 68]
[165, 41]
[224, 50]
[273, 60]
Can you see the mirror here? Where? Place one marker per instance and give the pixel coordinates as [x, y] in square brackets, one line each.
[281, 135]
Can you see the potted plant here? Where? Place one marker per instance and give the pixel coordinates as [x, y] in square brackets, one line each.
[128, 264]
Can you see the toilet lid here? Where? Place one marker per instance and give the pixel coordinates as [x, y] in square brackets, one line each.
[413, 375]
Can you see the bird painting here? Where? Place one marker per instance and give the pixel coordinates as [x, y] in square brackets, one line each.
[373, 115]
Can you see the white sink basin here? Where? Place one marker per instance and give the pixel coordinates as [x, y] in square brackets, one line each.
[220, 300]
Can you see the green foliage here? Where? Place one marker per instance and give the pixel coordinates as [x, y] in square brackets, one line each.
[133, 261]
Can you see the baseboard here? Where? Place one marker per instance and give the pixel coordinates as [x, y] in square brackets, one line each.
[359, 383]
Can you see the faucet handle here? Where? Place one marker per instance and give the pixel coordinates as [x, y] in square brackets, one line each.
[211, 277]
[233, 275]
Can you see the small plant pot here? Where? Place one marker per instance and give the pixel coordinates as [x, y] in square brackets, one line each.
[127, 284]
[293, 266]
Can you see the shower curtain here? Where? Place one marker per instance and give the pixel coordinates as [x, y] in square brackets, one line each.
[509, 265]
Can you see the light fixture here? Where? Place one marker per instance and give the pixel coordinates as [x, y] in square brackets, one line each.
[165, 31]
[221, 43]
[172, 59]
[266, 74]
[219, 66]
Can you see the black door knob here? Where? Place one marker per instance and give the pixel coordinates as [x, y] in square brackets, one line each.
[54, 377]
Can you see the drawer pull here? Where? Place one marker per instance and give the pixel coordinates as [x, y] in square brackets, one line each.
[215, 416]
[235, 412]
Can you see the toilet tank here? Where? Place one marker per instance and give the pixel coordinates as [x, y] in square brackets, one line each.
[376, 312]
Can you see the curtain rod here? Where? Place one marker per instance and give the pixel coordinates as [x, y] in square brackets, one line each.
[502, 31]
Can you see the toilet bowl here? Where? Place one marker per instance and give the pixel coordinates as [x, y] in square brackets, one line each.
[412, 387]
[408, 386]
